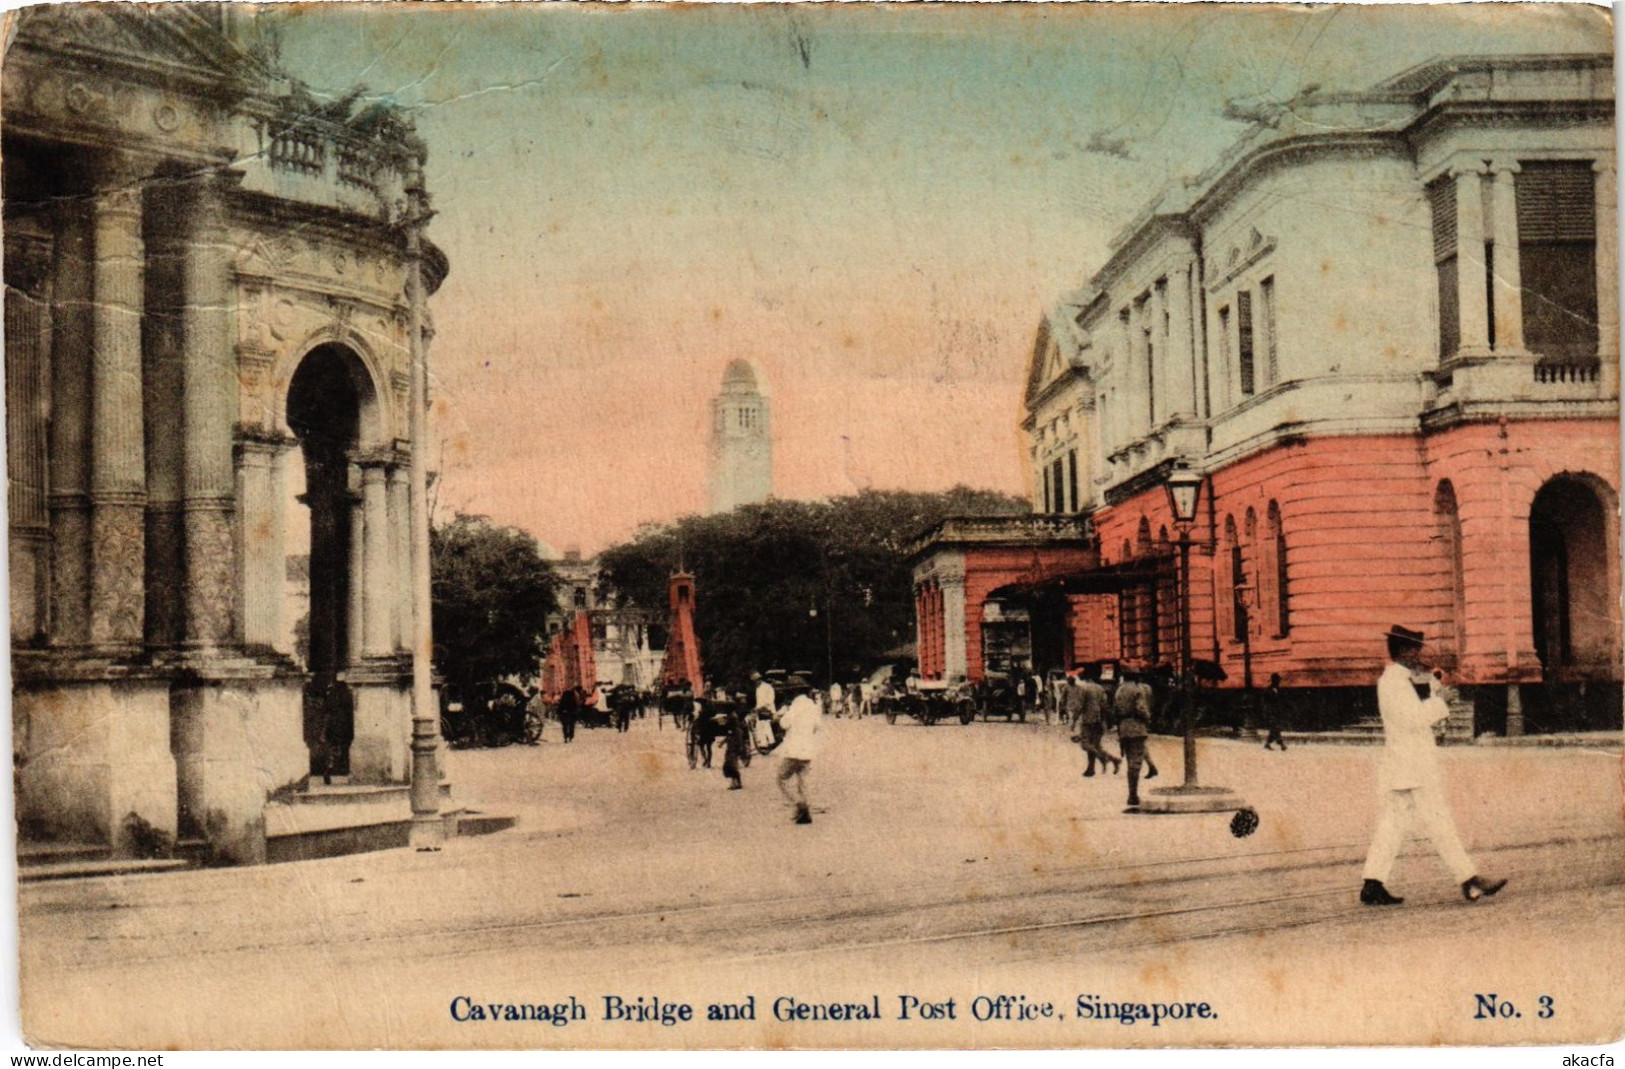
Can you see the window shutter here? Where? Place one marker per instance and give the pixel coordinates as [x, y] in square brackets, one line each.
[1556, 200]
[1244, 330]
[1442, 202]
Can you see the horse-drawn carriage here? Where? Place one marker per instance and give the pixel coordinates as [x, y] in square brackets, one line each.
[929, 701]
[490, 714]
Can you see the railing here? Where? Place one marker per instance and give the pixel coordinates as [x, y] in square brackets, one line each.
[356, 168]
[310, 150]
[1568, 372]
[1034, 527]
[303, 151]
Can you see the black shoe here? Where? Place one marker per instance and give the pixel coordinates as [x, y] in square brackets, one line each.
[1478, 887]
[1375, 894]
[1151, 773]
[736, 786]
[803, 815]
[1133, 801]
[1088, 772]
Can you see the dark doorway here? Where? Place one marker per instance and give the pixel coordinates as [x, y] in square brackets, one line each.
[1571, 599]
[324, 413]
[1052, 633]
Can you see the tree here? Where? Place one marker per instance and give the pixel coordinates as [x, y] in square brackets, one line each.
[492, 593]
[823, 587]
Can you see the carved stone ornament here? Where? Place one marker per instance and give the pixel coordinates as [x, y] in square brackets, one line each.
[79, 98]
[166, 118]
[281, 319]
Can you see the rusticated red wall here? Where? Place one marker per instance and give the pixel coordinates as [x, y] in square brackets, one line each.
[1365, 549]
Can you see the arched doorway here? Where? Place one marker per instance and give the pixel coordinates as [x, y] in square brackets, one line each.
[1572, 599]
[324, 413]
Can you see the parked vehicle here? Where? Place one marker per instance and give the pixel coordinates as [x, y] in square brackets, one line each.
[930, 701]
[997, 695]
[493, 714]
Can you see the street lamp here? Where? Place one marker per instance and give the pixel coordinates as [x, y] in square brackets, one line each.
[1184, 486]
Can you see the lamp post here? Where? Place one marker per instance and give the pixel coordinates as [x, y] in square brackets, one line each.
[1184, 486]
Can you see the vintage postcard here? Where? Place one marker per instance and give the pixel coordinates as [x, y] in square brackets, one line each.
[897, 526]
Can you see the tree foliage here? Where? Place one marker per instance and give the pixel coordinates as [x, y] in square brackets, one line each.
[823, 587]
[492, 592]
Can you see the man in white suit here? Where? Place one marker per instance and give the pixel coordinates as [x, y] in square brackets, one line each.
[1409, 786]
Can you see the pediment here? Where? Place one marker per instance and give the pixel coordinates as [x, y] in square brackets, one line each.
[162, 37]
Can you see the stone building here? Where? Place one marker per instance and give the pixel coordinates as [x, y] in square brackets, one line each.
[1384, 330]
[212, 284]
[741, 441]
[627, 644]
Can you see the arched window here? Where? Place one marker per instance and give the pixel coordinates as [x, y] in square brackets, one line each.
[1227, 568]
[1447, 535]
[1276, 536]
[1238, 580]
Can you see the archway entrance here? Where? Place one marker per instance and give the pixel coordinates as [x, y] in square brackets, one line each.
[1571, 597]
[1574, 615]
[324, 414]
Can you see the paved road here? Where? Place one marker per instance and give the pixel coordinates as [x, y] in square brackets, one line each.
[943, 863]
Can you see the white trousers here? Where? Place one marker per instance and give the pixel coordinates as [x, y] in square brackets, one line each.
[1402, 809]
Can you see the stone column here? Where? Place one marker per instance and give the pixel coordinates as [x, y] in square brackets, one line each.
[1607, 259]
[208, 413]
[1472, 296]
[260, 536]
[28, 379]
[117, 443]
[69, 430]
[377, 582]
[955, 660]
[400, 529]
[1158, 356]
[1181, 353]
[1508, 276]
[355, 629]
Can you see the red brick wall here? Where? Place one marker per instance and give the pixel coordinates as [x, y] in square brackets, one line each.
[987, 568]
[1364, 548]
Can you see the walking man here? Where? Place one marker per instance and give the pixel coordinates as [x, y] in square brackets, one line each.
[735, 743]
[803, 730]
[1083, 705]
[765, 697]
[569, 708]
[1270, 706]
[1132, 707]
[1409, 785]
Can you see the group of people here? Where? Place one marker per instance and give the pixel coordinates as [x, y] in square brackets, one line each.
[1409, 782]
[611, 706]
[1086, 707]
[784, 718]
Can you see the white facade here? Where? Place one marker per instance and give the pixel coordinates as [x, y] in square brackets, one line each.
[1293, 288]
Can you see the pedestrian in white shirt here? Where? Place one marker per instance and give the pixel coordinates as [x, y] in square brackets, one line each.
[766, 698]
[803, 733]
[1409, 786]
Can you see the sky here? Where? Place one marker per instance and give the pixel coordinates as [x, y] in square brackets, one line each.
[873, 203]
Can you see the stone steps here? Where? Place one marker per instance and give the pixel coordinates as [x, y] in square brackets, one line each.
[323, 821]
